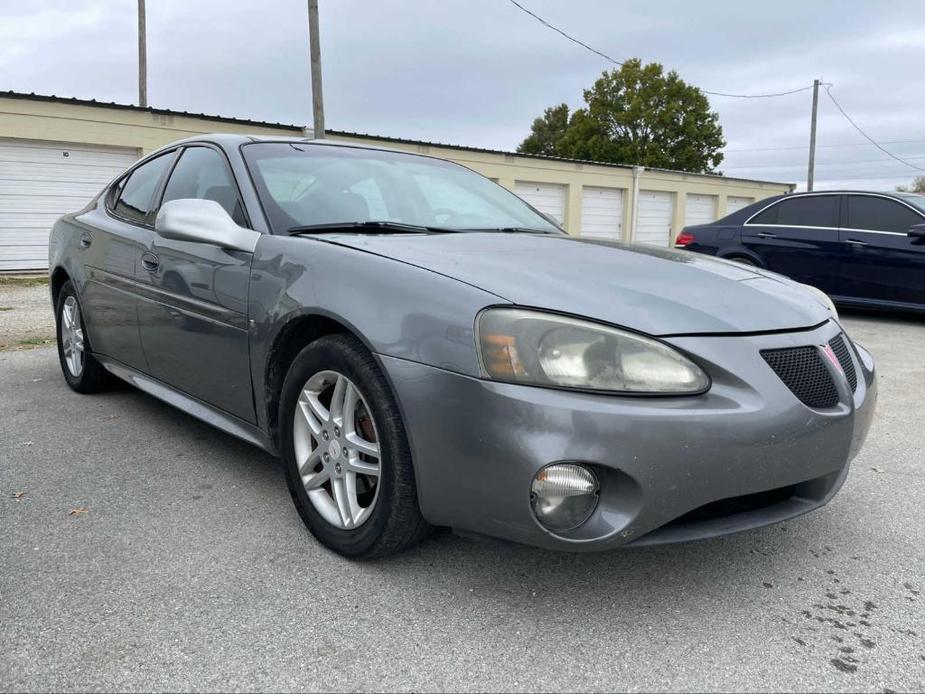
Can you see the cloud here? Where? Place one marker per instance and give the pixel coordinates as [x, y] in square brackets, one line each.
[477, 72]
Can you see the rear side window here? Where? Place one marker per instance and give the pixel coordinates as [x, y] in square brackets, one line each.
[201, 174]
[809, 211]
[137, 196]
[880, 214]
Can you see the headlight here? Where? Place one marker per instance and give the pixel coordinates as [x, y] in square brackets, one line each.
[823, 298]
[544, 349]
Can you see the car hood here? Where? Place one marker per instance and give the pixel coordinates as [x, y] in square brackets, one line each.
[652, 290]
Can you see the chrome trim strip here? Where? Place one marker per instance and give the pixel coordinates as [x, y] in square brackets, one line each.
[747, 222]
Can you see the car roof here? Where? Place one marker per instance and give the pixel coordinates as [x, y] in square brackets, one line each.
[233, 140]
[845, 192]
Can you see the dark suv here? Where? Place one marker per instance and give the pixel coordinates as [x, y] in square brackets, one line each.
[863, 249]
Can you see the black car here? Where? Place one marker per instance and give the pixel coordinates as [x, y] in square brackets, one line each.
[860, 248]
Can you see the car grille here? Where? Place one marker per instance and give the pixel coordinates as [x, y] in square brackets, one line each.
[839, 345]
[805, 374]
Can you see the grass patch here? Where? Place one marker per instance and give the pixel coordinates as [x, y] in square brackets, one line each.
[23, 281]
[36, 341]
[6, 308]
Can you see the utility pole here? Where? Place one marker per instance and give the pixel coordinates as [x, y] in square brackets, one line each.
[142, 57]
[314, 50]
[812, 138]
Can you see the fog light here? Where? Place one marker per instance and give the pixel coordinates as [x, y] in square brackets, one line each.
[564, 495]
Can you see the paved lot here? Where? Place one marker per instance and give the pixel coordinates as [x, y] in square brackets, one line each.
[190, 570]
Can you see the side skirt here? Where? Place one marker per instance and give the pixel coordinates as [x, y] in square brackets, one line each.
[191, 406]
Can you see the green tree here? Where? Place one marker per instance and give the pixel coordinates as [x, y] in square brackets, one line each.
[918, 186]
[546, 132]
[637, 115]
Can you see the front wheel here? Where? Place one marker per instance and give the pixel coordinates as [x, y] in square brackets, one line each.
[82, 371]
[348, 463]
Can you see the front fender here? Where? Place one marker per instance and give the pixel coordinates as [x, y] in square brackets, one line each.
[398, 310]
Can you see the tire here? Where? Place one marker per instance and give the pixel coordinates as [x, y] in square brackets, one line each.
[387, 517]
[82, 371]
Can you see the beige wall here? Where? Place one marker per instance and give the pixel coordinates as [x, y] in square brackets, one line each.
[76, 123]
[85, 124]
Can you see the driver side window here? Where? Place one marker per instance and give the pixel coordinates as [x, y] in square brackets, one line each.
[201, 174]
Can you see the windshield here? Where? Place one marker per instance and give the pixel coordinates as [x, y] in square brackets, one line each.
[307, 185]
[914, 199]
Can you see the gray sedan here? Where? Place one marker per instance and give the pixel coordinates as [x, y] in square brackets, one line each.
[422, 348]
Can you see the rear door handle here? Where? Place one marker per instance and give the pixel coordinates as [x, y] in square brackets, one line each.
[150, 262]
[86, 239]
[766, 235]
[855, 242]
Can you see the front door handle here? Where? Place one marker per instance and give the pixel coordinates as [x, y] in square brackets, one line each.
[766, 235]
[150, 262]
[855, 242]
[85, 239]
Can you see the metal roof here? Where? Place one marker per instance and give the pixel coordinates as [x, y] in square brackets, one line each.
[341, 133]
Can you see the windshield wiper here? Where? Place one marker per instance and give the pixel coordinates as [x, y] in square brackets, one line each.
[513, 230]
[367, 227]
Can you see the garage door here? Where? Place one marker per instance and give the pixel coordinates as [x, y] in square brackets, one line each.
[701, 209]
[602, 213]
[546, 197]
[39, 182]
[653, 221]
[734, 203]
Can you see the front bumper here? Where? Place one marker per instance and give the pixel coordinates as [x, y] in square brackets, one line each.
[478, 444]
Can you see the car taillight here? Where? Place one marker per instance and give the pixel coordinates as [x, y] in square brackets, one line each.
[685, 238]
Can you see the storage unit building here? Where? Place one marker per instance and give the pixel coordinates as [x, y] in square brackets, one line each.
[548, 198]
[654, 219]
[602, 213]
[40, 181]
[56, 153]
[699, 209]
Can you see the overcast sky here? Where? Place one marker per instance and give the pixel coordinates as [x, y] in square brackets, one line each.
[476, 72]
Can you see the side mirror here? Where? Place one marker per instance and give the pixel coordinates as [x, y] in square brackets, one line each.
[917, 231]
[203, 221]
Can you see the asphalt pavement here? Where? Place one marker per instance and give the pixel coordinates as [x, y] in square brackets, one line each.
[147, 551]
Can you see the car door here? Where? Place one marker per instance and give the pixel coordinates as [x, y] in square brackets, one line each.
[798, 237]
[112, 242]
[192, 311]
[882, 262]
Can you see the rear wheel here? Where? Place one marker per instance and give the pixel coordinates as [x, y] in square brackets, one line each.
[348, 464]
[82, 371]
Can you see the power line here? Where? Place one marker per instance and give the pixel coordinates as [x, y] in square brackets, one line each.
[866, 136]
[620, 62]
[804, 147]
[559, 31]
[827, 163]
[864, 178]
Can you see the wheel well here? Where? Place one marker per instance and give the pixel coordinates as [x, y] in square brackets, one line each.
[58, 278]
[294, 336]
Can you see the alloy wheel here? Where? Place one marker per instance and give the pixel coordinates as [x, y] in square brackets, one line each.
[337, 449]
[72, 337]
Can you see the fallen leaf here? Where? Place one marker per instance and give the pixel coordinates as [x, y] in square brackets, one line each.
[77, 511]
[878, 470]
[17, 495]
